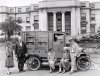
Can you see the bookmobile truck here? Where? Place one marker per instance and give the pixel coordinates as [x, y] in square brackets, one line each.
[39, 42]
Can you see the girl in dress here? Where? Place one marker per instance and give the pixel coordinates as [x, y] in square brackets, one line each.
[51, 60]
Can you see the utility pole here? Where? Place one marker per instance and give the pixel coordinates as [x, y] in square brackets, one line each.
[15, 13]
[15, 20]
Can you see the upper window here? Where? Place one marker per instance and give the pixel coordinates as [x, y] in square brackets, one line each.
[83, 16]
[36, 18]
[27, 19]
[19, 10]
[92, 28]
[19, 20]
[92, 16]
[83, 4]
[28, 28]
[92, 5]
[83, 28]
[11, 10]
[27, 9]
[35, 7]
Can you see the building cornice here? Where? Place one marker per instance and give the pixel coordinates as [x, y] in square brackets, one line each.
[60, 7]
[95, 8]
[85, 8]
[18, 12]
[3, 12]
[90, 8]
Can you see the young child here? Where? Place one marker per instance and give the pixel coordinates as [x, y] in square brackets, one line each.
[51, 60]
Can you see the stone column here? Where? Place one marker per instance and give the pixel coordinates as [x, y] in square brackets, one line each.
[78, 25]
[63, 21]
[43, 20]
[54, 21]
[73, 21]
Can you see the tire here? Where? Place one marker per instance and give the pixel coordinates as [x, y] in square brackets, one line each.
[33, 63]
[83, 63]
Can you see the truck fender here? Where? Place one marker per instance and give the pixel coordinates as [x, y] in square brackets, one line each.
[34, 55]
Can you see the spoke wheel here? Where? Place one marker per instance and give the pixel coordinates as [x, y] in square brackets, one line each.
[83, 63]
[33, 63]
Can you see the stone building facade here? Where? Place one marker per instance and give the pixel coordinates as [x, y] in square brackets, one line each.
[70, 16]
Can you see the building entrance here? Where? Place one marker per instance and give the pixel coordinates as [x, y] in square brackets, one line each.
[50, 21]
[59, 21]
[58, 18]
[68, 23]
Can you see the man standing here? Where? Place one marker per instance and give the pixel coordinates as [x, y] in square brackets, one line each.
[20, 53]
[73, 54]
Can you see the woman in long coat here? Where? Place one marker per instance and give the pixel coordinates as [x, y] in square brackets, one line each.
[51, 60]
[9, 63]
[64, 62]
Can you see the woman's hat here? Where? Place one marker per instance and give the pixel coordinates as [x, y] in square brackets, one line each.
[65, 48]
[8, 43]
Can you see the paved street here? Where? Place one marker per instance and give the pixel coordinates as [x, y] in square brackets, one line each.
[94, 70]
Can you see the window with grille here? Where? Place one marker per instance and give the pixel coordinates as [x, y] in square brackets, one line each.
[28, 28]
[83, 4]
[83, 16]
[92, 5]
[35, 7]
[92, 17]
[11, 10]
[83, 28]
[36, 18]
[92, 28]
[19, 10]
[27, 19]
[27, 9]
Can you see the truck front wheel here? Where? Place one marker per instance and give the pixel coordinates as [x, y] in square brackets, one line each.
[33, 63]
[83, 63]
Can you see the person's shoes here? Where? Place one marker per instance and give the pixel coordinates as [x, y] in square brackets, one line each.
[51, 71]
[63, 71]
[23, 70]
[20, 70]
[75, 70]
[72, 71]
[9, 73]
[59, 71]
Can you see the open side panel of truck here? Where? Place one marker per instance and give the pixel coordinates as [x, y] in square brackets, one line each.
[42, 43]
[30, 39]
[58, 43]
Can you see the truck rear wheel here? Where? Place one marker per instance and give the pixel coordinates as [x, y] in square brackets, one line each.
[83, 63]
[33, 63]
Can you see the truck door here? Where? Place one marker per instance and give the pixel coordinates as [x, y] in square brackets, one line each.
[58, 44]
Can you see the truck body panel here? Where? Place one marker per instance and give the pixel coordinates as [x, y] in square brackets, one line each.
[39, 42]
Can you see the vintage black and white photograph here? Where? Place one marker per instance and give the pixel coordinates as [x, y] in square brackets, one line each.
[50, 38]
